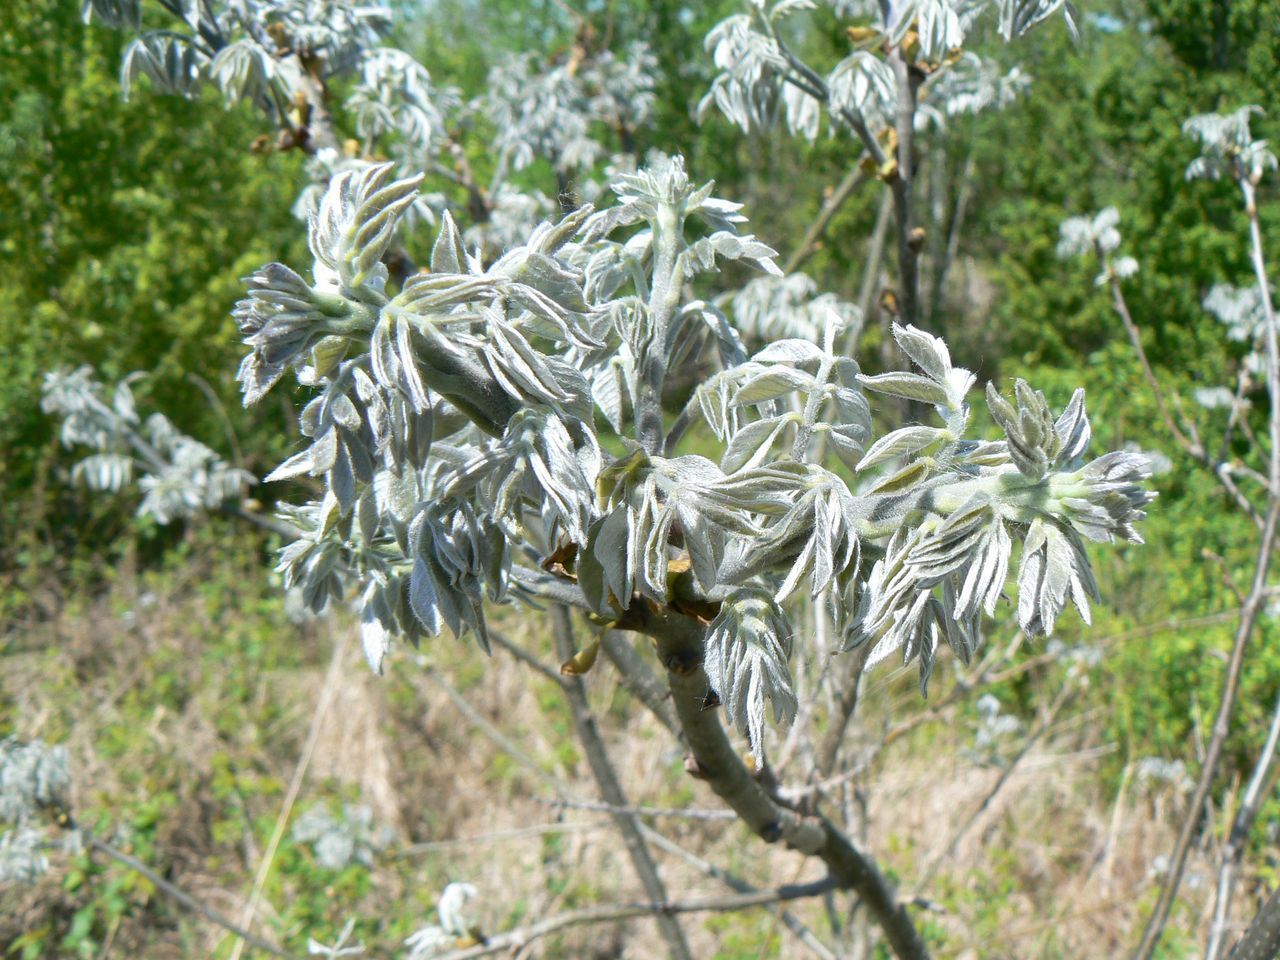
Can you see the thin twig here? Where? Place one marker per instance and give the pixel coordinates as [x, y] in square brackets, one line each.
[789, 920]
[514, 939]
[677, 813]
[295, 786]
[610, 786]
[1238, 837]
[903, 201]
[843, 191]
[1249, 612]
[228, 428]
[499, 836]
[485, 726]
[182, 897]
[1064, 694]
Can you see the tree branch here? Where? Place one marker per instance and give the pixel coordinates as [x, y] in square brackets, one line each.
[185, 899]
[1236, 840]
[1248, 613]
[680, 648]
[789, 920]
[606, 777]
[521, 937]
[908, 244]
[1262, 940]
[843, 191]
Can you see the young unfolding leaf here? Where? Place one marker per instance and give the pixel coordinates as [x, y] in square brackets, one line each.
[747, 648]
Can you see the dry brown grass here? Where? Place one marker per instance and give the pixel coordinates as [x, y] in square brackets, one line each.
[1058, 866]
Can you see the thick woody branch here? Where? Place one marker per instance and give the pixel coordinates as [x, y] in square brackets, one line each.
[908, 242]
[606, 778]
[680, 648]
[1262, 940]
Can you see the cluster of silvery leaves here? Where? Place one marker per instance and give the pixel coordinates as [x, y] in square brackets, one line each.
[772, 307]
[340, 841]
[1228, 147]
[458, 426]
[551, 112]
[273, 52]
[178, 475]
[992, 730]
[230, 44]
[761, 81]
[33, 777]
[1096, 235]
[453, 927]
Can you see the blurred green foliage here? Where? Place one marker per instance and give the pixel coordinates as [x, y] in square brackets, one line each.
[127, 227]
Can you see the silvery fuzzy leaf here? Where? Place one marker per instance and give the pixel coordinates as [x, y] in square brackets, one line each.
[397, 493]
[1124, 268]
[611, 549]
[790, 351]
[122, 402]
[1017, 17]
[33, 776]
[118, 14]
[410, 381]
[1049, 568]
[852, 409]
[909, 386]
[750, 445]
[1073, 430]
[772, 382]
[951, 545]
[342, 479]
[550, 277]
[705, 542]
[900, 443]
[1228, 146]
[297, 465]
[902, 480]
[375, 637]
[367, 517]
[523, 371]
[847, 442]
[862, 85]
[448, 255]
[732, 246]
[171, 63]
[612, 385]
[1032, 437]
[973, 84]
[747, 648]
[424, 598]
[242, 70]
[940, 25]
[1239, 309]
[984, 579]
[816, 538]
[728, 343]
[22, 855]
[104, 471]
[928, 352]
[1089, 235]
[355, 224]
